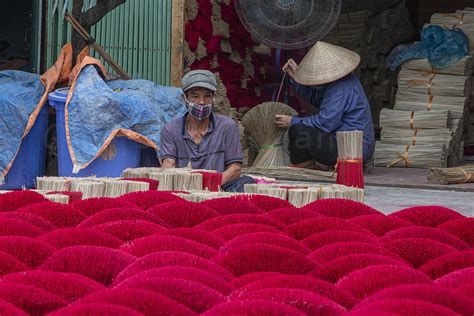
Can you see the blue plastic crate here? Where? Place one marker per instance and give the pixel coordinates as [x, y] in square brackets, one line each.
[121, 154]
[30, 160]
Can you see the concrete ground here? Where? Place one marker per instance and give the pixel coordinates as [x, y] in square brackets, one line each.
[392, 199]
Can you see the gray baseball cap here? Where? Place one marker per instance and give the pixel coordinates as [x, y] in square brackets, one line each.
[199, 78]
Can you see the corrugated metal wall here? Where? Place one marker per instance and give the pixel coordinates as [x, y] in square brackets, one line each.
[137, 35]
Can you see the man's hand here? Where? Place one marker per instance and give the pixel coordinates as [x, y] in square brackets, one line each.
[168, 163]
[283, 121]
[290, 67]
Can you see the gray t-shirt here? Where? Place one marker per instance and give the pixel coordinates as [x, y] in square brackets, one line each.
[218, 148]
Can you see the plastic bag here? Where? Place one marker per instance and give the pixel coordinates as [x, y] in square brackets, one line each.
[442, 47]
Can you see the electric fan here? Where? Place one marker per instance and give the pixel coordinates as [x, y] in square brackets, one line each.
[288, 24]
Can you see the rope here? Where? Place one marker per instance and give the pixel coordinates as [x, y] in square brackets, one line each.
[403, 157]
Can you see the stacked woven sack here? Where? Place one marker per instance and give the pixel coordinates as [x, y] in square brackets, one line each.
[425, 127]
[153, 253]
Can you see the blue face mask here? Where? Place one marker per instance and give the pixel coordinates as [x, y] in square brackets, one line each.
[199, 112]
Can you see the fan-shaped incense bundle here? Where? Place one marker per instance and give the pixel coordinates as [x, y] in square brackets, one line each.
[458, 175]
[350, 159]
[419, 156]
[415, 119]
[411, 102]
[259, 123]
[400, 136]
[422, 83]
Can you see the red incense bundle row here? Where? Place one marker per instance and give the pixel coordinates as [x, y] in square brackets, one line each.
[211, 181]
[349, 163]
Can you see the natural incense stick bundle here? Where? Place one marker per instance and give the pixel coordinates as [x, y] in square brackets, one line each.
[350, 159]
[58, 198]
[301, 197]
[140, 172]
[115, 188]
[268, 190]
[458, 175]
[199, 196]
[136, 186]
[89, 189]
[419, 156]
[400, 136]
[53, 183]
[461, 68]
[187, 181]
[458, 18]
[415, 119]
[259, 123]
[422, 83]
[411, 102]
[166, 180]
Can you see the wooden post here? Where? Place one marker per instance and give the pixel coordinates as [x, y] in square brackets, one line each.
[177, 42]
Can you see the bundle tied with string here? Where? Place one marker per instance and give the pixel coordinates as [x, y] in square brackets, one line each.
[419, 156]
[458, 175]
[350, 159]
[415, 119]
[428, 83]
[259, 123]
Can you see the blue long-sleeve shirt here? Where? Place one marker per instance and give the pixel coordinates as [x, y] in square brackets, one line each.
[343, 107]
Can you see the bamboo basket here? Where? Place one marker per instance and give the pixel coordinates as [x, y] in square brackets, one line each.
[420, 156]
[415, 119]
[458, 175]
[259, 123]
[411, 102]
[423, 83]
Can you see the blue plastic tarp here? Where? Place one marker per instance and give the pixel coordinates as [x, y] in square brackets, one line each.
[20, 94]
[442, 47]
[97, 108]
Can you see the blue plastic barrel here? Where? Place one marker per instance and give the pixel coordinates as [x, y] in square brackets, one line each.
[30, 160]
[121, 154]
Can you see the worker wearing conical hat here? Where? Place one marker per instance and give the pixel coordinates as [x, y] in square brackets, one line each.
[325, 79]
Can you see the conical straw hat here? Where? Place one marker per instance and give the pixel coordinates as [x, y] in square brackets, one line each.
[325, 63]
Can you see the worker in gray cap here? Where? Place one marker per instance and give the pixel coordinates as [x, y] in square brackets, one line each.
[203, 139]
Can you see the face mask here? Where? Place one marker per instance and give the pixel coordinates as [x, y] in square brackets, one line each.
[199, 112]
